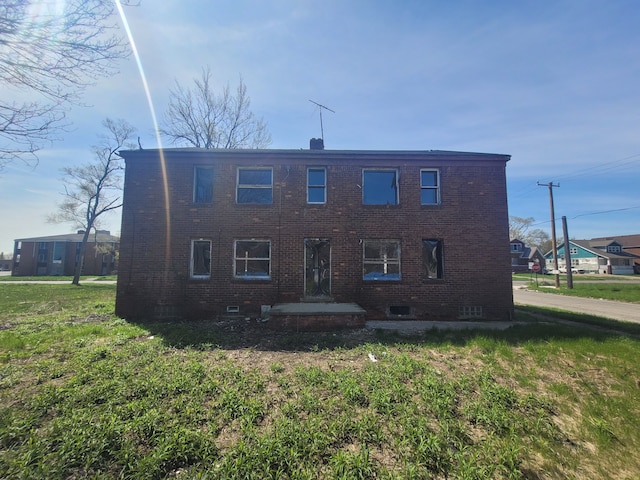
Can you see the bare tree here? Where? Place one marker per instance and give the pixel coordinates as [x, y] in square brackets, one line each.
[520, 228]
[50, 51]
[93, 189]
[199, 118]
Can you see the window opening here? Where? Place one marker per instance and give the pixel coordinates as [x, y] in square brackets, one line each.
[255, 185]
[316, 185]
[381, 260]
[429, 187]
[252, 259]
[470, 312]
[380, 187]
[400, 310]
[203, 185]
[201, 259]
[58, 252]
[432, 258]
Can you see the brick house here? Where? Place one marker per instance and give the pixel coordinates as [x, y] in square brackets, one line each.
[402, 234]
[57, 254]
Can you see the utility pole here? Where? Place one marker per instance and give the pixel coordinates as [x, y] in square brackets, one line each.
[567, 253]
[554, 245]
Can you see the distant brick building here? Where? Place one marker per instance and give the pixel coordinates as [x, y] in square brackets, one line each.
[58, 254]
[404, 234]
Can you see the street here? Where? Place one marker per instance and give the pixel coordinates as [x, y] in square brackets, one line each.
[629, 312]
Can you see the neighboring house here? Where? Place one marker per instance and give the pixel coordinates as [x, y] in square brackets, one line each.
[206, 233]
[58, 254]
[630, 244]
[594, 256]
[523, 258]
[6, 264]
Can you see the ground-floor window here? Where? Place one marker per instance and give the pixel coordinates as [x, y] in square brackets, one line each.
[470, 311]
[252, 259]
[381, 260]
[432, 258]
[200, 259]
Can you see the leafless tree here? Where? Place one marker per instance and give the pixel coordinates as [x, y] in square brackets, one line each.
[50, 51]
[93, 189]
[199, 118]
[520, 228]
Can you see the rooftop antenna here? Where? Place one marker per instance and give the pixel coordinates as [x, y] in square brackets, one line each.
[321, 107]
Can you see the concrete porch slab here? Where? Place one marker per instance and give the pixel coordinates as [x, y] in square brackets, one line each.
[317, 309]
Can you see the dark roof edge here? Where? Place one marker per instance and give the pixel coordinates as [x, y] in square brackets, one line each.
[316, 153]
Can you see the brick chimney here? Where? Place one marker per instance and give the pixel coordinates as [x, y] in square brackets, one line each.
[316, 144]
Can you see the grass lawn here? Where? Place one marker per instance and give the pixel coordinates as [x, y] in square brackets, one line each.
[84, 394]
[58, 278]
[624, 292]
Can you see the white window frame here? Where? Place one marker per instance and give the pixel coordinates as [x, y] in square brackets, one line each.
[246, 259]
[435, 187]
[384, 261]
[198, 276]
[317, 187]
[253, 186]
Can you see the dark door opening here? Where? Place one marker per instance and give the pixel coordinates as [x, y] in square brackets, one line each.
[317, 267]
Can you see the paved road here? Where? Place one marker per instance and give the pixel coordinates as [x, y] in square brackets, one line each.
[629, 312]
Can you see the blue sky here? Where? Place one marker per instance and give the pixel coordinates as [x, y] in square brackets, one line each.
[555, 84]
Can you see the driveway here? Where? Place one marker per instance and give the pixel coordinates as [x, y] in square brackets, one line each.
[628, 312]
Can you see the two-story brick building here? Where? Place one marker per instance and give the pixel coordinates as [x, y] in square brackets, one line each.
[58, 254]
[403, 234]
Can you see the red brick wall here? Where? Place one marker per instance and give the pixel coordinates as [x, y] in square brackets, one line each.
[472, 222]
[29, 252]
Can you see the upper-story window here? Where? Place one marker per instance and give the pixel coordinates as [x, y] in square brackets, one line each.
[255, 185]
[429, 187]
[58, 251]
[380, 187]
[614, 249]
[573, 250]
[316, 185]
[202, 184]
[516, 247]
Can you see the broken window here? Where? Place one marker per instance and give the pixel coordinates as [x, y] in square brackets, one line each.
[255, 185]
[432, 258]
[201, 259]
[381, 260]
[202, 185]
[316, 185]
[429, 187]
[252, 259]
[380, 187]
